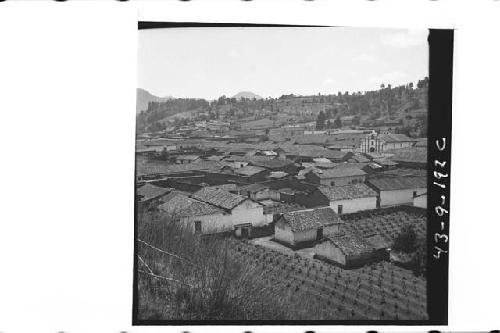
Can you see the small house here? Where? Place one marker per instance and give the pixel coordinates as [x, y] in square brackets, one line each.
[305, 227]
[336, 177]
[198, 217]
[259, 192]
[342, 199]
[241, 213]
[252, 174]
[346, 249]
[398, 190]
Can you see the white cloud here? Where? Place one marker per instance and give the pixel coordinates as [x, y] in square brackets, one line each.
[328, 81]
[234, 54]
[365, 58]
[410, 38]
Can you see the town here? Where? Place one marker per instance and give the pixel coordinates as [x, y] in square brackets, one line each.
[327, 194]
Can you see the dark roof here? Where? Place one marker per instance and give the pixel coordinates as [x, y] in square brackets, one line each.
[402, 172]
[377, 242]
[249, 170]
[413, 154]
[383, 161]
[254, 187]
[270, 163]
[181, 205]
[311, 218]
[227, 187]
[350, 243]
[149, 191]
[339, 172]
[398, 183]
[218, 197]
[353, 191]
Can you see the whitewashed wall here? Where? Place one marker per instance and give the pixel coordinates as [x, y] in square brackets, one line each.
[330, 251]
[304, 236]
[247, 212]
[283, 233]
[398, 197]
[420, 201]
[354, 205]
[210, 224]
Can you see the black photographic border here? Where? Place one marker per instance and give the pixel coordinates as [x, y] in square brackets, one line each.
[438, 189]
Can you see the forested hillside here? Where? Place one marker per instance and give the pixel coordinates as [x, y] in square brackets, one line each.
[405, 105]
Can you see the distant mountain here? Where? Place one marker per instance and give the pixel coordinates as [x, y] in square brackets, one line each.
[144, 97]
[246, 94]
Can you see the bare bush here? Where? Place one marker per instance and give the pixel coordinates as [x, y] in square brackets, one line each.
[204, 280]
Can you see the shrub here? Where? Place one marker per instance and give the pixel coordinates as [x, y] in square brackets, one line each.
[208, 283]
[406, 241]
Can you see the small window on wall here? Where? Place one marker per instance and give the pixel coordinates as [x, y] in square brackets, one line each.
[414, 194]
[197, 227]
[339, 209]
[332, 183]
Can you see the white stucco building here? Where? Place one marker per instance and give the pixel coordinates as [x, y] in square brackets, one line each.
[398, 190]
[306, 226]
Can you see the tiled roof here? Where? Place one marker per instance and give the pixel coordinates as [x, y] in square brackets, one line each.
[249, 170]
[159, 167]
[148, 192]
[311, 218]
[350, 243]
[173, 194]
[414, 154]
[218, 197]
[339, 172]
[398, 183]
[181, 205]
[377, 242]
[353, 191]
[254, 187]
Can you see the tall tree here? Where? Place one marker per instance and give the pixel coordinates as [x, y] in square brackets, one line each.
[337, 123]
[320, 121]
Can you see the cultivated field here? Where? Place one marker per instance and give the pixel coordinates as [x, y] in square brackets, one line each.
[386, 223]
[182, 276]
[317, 290]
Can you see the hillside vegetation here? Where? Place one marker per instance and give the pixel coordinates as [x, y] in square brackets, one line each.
[405, 104]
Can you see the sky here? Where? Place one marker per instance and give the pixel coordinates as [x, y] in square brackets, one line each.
[272, 61]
